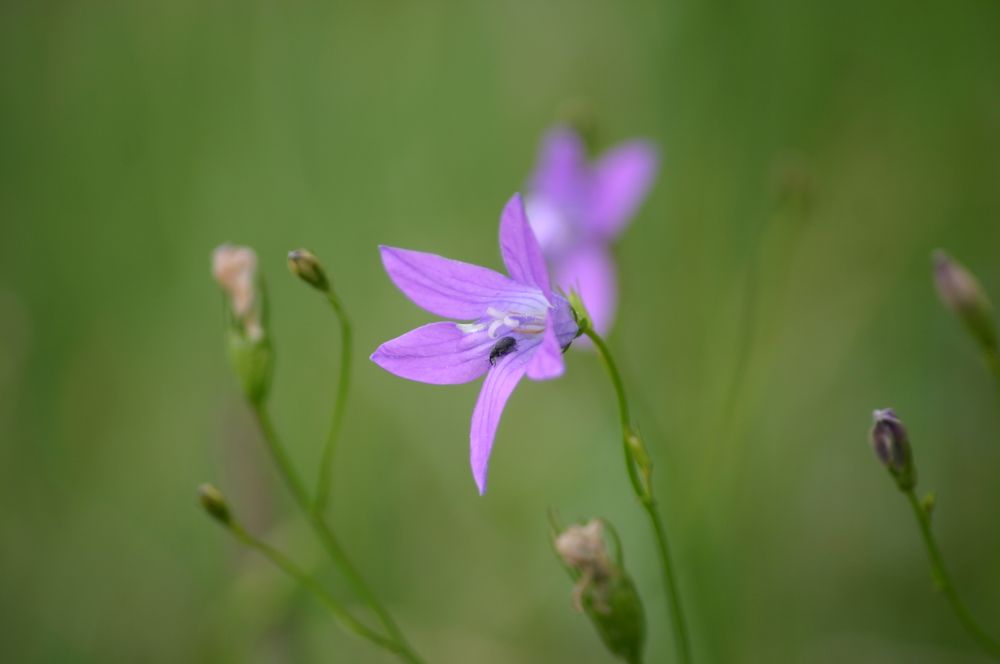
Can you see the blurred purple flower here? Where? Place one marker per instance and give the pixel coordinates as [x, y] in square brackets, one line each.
[517, 325]
[577, 208]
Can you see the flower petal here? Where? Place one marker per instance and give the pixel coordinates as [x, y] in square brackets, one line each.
[590, 271]
[438, 353]
[500, 382]
[560, 173]
[547, 360]
[621, 180]
[448, 288]
[521, 253]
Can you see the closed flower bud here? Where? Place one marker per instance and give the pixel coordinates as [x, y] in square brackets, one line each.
[892, 447]
[235, 269]
[962, 293]
[306, 267]
[604, 591]
[214, 503]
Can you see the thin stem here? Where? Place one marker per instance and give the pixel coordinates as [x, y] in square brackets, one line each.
[639, 466]
[285, 564]
[339, 405]
[944, 584]
[325, 534]
[993, 362]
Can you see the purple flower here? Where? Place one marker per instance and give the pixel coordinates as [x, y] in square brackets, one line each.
[577, 208]
[515, 326]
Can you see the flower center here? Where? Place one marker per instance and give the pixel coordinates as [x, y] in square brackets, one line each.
[524, 317]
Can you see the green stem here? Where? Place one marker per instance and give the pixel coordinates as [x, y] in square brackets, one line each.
[325, 534]
[639, 472]
[339, 405]
[285, 564]
[944, 584]
[993, 362]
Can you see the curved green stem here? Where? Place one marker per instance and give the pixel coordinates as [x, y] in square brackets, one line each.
[325, 534]
[339, 405]
[285, 564]
[639, 467]
[944, 584]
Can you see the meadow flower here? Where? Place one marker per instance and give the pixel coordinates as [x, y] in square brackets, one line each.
[577, 208]
[512, 325]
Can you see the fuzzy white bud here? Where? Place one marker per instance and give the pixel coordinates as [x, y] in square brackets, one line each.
[235, 269]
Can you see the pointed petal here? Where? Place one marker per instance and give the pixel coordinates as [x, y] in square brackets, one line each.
[547, 361]
[521, 253]
[500, 382]
[590, 271]
[560, 173]
[448, 288]
[438, 353]
[622, 179]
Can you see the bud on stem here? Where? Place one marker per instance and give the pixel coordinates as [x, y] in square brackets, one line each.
[214, 503]
[604, 591]
[304, 265]
[892, 447]
[962, 293]
[235, 269]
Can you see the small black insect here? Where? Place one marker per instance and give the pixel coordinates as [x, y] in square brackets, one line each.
[505, 346]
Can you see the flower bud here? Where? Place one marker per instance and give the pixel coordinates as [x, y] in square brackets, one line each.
[306, 267]
[214, 503]
[892, 447]
[962, 293]
[235, 269]
[604, 591]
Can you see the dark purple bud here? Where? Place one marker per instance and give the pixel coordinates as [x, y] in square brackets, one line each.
[892, 447]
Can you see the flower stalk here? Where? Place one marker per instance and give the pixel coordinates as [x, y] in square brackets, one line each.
[943, 582]
[891, 444]
[304, 265]
[339, 405]
[639, 466]
[333, 547]
[214, 504]
[235, 269]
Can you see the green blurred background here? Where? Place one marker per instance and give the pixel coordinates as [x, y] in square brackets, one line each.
[135, 136]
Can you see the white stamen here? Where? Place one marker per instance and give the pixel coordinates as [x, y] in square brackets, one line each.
[528, 319]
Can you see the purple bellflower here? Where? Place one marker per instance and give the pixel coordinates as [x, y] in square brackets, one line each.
[577, 209]
[512, 325]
